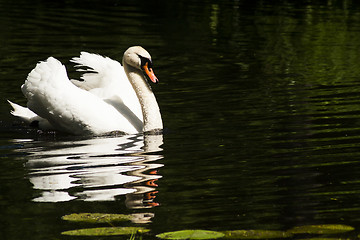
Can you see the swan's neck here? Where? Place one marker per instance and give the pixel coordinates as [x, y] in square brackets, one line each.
[149, 106]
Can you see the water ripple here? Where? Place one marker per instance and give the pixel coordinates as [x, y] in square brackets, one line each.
[98, 169]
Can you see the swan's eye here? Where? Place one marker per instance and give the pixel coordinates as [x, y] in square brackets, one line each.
[145, 60]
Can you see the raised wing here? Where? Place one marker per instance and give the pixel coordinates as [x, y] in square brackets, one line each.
[52, 96]
[106, 79]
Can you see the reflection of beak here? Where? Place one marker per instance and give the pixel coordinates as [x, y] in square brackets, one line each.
[152, 183]
[150, 73]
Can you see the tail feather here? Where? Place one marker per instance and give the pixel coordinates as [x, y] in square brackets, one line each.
[29, 116]
[22, 112]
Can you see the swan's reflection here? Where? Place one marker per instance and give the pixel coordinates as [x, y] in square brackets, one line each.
[98, 169]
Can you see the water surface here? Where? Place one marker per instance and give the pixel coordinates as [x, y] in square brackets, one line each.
[260, 102]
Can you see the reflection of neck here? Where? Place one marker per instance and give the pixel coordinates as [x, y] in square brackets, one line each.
[153, 143]
[149, 106]
[147, 175]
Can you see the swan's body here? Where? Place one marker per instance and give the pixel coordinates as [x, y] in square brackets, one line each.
[110, 97]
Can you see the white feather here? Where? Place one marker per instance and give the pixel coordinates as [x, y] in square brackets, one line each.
[29, 116]
[106, 79]
[68, 108]
[103, 102]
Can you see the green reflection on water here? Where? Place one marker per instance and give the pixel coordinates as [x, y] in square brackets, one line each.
[261, 101]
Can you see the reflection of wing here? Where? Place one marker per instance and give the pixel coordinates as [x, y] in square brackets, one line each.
[99, 168]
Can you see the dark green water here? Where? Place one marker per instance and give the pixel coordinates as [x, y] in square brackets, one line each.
[260, 102]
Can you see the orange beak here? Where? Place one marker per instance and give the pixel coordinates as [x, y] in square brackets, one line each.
[150, 73]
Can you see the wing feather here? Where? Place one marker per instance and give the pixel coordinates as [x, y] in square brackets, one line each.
[106, 78]
[52, 96]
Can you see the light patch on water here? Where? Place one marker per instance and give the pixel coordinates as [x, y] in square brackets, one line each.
[98, 169]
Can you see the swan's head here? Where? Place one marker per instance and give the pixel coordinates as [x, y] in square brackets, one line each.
[139, 58]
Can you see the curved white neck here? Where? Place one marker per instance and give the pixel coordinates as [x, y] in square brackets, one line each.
[149, 105]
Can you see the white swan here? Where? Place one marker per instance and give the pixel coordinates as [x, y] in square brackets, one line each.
[110, 97]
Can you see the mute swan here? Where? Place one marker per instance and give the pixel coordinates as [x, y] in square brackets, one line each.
[110, 97]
